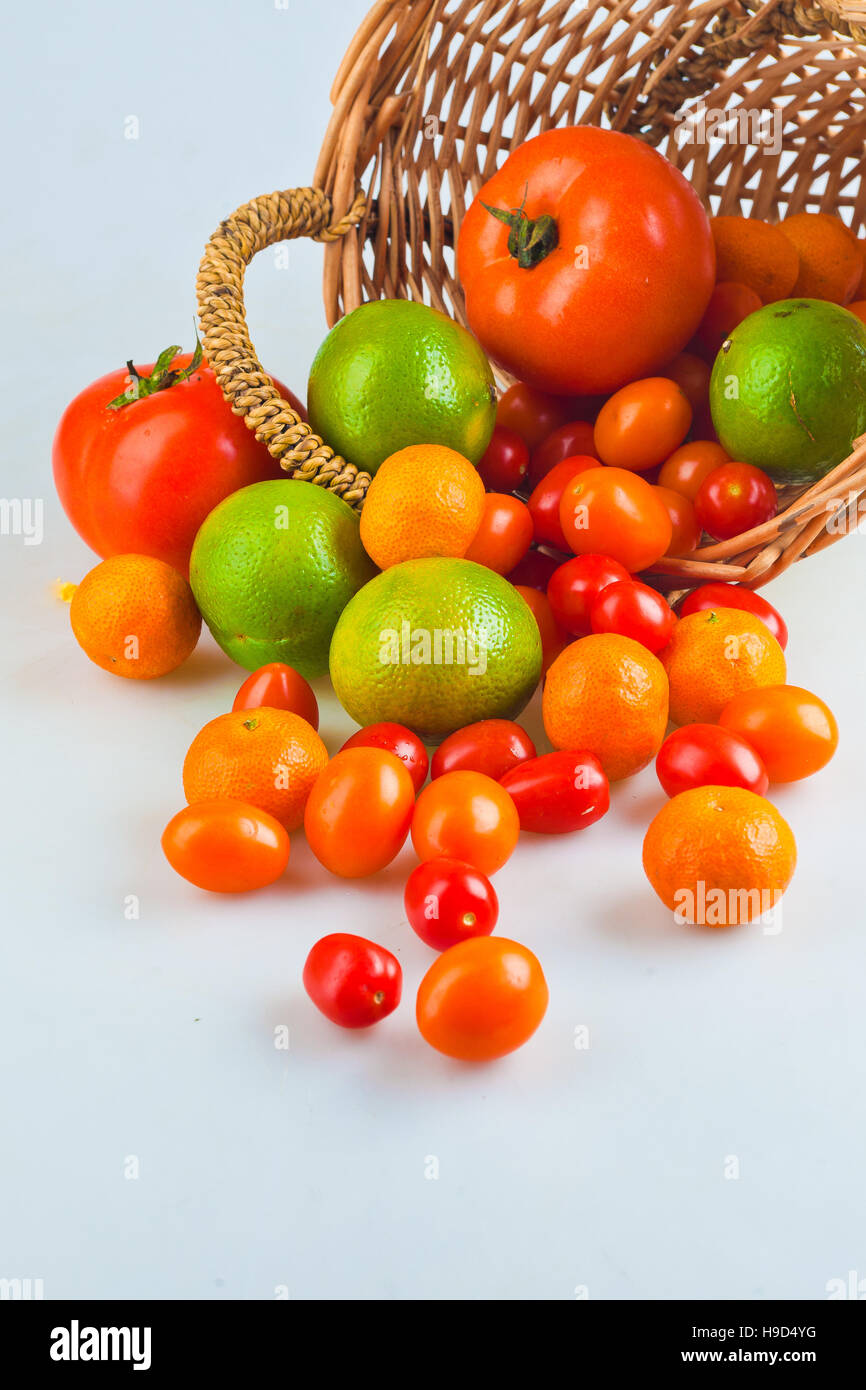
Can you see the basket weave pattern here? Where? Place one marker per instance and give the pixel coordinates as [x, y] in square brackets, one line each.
[432, 95]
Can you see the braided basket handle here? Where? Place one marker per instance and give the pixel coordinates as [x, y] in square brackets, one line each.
[296, 212]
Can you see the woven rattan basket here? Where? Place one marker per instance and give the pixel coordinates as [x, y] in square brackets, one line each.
[431, 97]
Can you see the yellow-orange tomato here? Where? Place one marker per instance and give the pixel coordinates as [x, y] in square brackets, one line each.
[468, 816]
[685, 531]
[481, 999]
[610, 511]
[792, 731]
[687, 466]
[642, 424]
[358, 814]
[226, 846]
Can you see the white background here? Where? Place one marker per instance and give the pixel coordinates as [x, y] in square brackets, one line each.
[154, 1038]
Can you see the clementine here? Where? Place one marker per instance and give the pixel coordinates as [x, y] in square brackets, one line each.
[268, 757]
[712, 656]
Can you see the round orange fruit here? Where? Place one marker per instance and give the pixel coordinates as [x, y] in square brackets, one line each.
[831, 262]
[135, 616]
[424, 500]
[712, 656]
[717, 856]
[607, 695]
[268, 757]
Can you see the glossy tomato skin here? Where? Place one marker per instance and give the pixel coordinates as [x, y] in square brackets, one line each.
[734, 498]
[791, 729]
[279, 686]
[705, 755]
[142, 479]
[685, 532]
[632, 218]
[574, 587]
[447, 902]
[465, 815]
[735, 596]
[611, 511]
[397, 739]
[634, 610]
[481, 999]
[359, 811]
[688, 465]
[642, 424]
[352, 981]
[546, 496]
[226, 846]
[504, 464]
[574, 440]
[491, 746]
[558, 792]
[505, 533]
[530, 413]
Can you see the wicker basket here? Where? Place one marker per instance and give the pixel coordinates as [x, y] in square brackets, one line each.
[433, 94]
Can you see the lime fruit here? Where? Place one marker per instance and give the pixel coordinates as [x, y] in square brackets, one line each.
[272, 568]
[394, 373]
[788, 388]
[435, 644]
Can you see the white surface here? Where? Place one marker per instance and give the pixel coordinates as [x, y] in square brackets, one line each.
[155, 1038]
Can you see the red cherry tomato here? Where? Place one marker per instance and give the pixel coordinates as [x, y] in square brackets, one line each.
[575, 438]
[534, 570]
[553, 637]
[226, 846]
[634, 610]
[692, 375]
[491, 746]
[397, 739]
[705, 755]
[734, 498]
[735, 596]
[279, 687]
[532, 414]
[574, 587]
[685, 532]
[558, 792]
[504, 535]
[352, 981]
[546, 496]
[448, 901]
[505, 462]
[359, 811]
[730, 303]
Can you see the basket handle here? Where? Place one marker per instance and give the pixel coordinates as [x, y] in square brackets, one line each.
[274, 217]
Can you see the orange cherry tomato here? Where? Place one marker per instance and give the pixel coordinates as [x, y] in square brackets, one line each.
[730, 303]
[687, 466]
[553, 637]
[481, 999]
[394, 738]
[610, 511]
[642, 424]
[279, 686]
[791, 730]
[226, 846]
[692, 375]
[358, 814]
[468, 816]
[685, 531]
[505, 533]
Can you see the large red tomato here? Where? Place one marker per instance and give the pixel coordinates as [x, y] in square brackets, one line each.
[587, 261]
[142, 477]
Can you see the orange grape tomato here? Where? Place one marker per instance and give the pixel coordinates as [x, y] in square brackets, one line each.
[642, 424]
[613, 512]
[793, 732]
[226, 846]
[686, 468]
[468, 816]
[359, 811]
[481, 999]
[685, 531]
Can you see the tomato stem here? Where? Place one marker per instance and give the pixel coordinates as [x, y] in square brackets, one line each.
[530, 239]
[160, 379]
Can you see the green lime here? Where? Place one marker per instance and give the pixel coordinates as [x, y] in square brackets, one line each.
[788, 389]
[272, 568]
[435, 644]
[394, 373]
